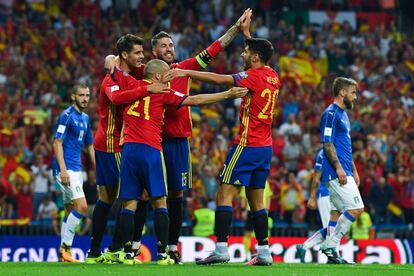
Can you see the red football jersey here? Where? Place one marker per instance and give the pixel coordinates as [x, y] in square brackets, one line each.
[257, 107]
[178, 121]
[111, 105]
[144, 118]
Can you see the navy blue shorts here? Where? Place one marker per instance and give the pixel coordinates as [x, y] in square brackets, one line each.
[107, 168]
[142, 167]
[247, 166]
[177, 158]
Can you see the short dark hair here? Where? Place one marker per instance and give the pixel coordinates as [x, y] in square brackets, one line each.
[126, 43]
[341, 83]
[160, 35]
[261, 47]
[79, 86]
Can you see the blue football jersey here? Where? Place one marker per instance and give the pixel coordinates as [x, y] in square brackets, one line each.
[335, 128]
[322, 190]
[74, 129]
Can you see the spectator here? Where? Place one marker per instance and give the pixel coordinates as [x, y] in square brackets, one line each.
[290, 127]
[291, 200]
[40, 184]
[209, 182]
[380, 196]
[47, 210]
[292, 152]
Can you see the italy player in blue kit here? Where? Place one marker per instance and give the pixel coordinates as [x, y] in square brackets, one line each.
[339, 173]
[72, 132]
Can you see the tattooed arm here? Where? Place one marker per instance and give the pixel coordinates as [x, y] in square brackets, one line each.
[330, 152]
[243, 23]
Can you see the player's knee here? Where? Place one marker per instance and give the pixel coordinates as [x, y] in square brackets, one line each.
[159, 202]
[256, 205]
[82, 208]
[356, 212]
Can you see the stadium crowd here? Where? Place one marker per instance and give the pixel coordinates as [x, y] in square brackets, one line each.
[48, 46]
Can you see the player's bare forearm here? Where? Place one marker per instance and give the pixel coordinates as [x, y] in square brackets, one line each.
[91, 152]
[210, 77]
[330, 152]
[315, 183]
[205, 99]
[58, 148]
[235, 92]
[228, 37]
[354, 169]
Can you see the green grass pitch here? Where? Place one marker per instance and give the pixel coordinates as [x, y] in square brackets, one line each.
[47, 269]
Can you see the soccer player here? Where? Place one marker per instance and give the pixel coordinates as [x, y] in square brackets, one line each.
[178, 127]
[72, 132]
[338, 169]
[319, 196]
[248, 162]
[107, 140]
[142, 162]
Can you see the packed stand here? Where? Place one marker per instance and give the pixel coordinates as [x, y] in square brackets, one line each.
[47, 48]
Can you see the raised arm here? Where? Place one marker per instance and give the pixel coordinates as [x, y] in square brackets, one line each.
[241, 24]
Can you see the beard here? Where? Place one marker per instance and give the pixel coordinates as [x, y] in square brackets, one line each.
[81, 105]
[348, 104]
[247, 64]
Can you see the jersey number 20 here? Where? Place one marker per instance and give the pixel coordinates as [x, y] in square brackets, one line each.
[271, 100]
[131, 110]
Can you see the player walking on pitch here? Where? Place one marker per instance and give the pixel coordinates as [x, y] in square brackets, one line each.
[72, 132]
[338, 169]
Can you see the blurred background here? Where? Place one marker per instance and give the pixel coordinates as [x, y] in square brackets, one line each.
[47, 46]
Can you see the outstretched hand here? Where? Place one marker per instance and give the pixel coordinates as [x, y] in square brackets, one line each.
[172, 74]
[238, 92]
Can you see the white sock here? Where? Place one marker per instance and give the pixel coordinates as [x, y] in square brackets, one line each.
[221, 247]
[62, 231]
[136, 245]
[331, 226]
[172, 247]
[70, 228]
[315, 239]
[263, 250]
[342, 227]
